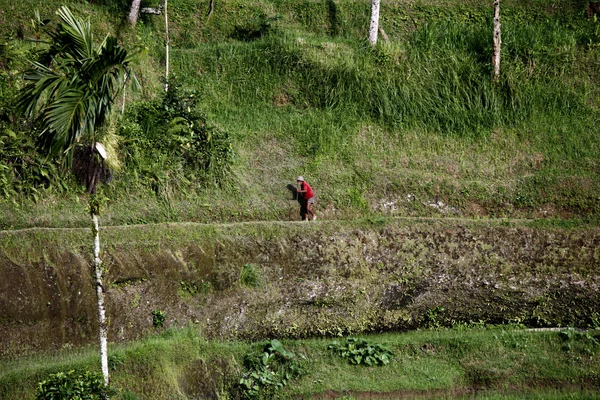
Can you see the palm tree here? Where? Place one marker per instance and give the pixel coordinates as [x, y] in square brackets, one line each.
[69, 92]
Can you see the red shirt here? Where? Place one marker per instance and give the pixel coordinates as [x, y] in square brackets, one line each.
[309, 192]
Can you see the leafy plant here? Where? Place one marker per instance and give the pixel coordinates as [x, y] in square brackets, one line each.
[361, 352]
[115, 361]
[431, 316]
[170, 134]
[269, 371]
[72, 385]
[194, 288]
[158, 318]
[583, 342]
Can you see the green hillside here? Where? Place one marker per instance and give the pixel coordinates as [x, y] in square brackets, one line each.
[455, 212]
[412, 127]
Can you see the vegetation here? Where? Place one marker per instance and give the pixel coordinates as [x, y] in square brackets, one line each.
[158, 318]
[269, 371]
[263, 91]
[269, 90]
[496, 362]
[70, 385]
[361, 352]
[250, 276]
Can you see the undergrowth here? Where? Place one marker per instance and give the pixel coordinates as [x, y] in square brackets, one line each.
[495, 362]
[269, 371]
[269, 90]
[362, 352]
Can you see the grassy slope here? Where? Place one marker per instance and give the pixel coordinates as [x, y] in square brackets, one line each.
[536, 155]
[369, 275]
[506, 363]
[413, 127]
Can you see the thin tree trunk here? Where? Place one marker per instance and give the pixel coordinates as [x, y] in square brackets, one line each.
[384, 35]
[211, 7]
[135, 11]
[124, 91]
[497, 41]
[374, 25]
[100, 295]
[167, 46]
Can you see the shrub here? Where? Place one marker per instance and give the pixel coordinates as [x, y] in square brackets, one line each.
[72, 385]
[158, 318]
[171, 134]
[269, 371]
[361, 352]
[23, 170]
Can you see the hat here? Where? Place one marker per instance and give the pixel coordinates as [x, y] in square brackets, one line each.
[300, 178]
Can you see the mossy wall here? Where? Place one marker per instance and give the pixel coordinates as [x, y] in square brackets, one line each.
[323, 278]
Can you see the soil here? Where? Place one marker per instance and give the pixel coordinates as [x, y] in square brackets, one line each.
[317, 279]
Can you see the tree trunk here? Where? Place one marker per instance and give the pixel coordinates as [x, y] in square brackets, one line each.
[211, 7]
[497, 41]
[384, 35]
[124, 92]
[374, 26]
[167, 48]
[100, 295]
[135, 11]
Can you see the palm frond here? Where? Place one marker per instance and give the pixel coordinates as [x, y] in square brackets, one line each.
[70, 90]
[65, 121]
[74, 35]
[42, 85]
[136, 86]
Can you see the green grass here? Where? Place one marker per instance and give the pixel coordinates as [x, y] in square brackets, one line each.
[491, 363]
[417, 117]
[250, 276]
[411, 128]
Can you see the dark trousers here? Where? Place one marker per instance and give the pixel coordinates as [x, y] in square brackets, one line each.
[303, 209]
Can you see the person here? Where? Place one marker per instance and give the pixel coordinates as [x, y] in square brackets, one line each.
[299, 197]
[308, 199]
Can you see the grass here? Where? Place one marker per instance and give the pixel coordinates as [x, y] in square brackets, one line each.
[495, 362]
[414, 117]
[250, 276]
[411, 128]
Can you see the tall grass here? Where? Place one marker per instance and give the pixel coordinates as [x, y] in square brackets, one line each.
[303, 94]
[439, 78]
[437, 82]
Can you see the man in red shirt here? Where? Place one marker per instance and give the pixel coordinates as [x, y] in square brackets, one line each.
[309, 197]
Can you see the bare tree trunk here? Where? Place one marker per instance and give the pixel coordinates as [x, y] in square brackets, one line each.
[374, 25]
[497, 41]
[384, 35]
[211, 7]
[124, 92]
[135, 11]
[100, 295]
[167, 46]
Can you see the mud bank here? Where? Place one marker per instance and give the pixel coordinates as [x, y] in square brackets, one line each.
[322, 278]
